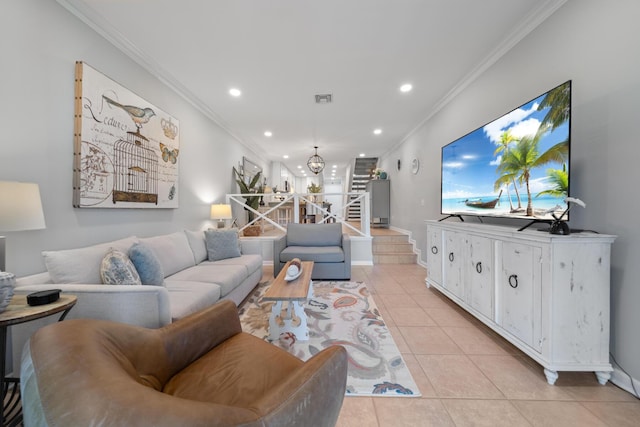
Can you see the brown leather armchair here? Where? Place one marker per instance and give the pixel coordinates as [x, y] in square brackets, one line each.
[199, 371]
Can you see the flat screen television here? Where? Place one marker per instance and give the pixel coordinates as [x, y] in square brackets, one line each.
[516, 166]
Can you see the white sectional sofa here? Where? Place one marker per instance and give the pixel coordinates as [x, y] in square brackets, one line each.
[191, 283]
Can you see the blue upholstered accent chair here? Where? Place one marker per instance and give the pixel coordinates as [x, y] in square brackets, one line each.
[324, 244]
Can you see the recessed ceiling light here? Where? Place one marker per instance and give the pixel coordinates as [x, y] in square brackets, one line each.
[406, 87]
[362, 154]
[268, 133]
[286, 156]
[235, 92]
[377, 131]
[299, 167]
[334, 166]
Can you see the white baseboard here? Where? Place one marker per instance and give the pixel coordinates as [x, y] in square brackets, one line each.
[625, 381]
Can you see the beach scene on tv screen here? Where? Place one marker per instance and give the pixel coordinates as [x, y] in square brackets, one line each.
[515, 166]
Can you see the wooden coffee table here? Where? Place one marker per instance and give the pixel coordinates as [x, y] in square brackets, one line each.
[295, 293]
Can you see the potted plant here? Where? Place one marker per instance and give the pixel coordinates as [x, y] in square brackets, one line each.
[246, 189]
[314, 189]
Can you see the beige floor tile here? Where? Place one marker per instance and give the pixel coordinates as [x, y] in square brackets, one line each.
[388, 319]
[357, 412]
[385, 286]
[456, 376]
[484, 413]
[414, 285]
[428, 340]
[616, 414]
[410, 316]
[584, 386]
[399, 300]
[517, 379]
[432, 299]
[449, 317]
[407, 412]
[473, 340]
[565, 414]
[423, 383]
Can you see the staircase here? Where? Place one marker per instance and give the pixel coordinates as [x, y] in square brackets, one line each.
[362, 173]
[393, 249]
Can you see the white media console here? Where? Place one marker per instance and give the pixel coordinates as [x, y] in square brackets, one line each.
[546, 294]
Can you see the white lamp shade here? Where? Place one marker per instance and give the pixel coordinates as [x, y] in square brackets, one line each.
[20, 206]
[221, 211]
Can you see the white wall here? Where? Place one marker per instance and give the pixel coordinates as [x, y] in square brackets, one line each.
[595, 44]
[40, 43]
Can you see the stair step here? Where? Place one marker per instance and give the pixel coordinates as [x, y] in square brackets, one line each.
[395, 258]
[392, 248]
[391, 238]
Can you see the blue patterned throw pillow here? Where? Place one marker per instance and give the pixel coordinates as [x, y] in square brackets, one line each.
[117, 269]
[147, 264]
[222, 244]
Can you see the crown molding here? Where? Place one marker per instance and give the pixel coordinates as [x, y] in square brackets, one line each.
[100, 25]
[536, 17]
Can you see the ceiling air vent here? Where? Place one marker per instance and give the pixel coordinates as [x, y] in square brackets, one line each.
[323, 98]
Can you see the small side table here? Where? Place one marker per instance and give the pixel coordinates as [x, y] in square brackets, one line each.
[18, 311]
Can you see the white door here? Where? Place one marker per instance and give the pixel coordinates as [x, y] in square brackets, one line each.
[453, 258]
[517, 287]
[480, 274]
[434, 254]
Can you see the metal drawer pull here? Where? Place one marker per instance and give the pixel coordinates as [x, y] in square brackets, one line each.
[479, 267]
[451, 256]
[513, 281]
[434, 250]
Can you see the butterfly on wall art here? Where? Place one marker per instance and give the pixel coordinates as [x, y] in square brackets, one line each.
[169, 155]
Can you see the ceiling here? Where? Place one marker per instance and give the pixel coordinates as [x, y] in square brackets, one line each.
[281, 53]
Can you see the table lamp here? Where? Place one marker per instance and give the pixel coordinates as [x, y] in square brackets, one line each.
[20, 209]
[221, 212]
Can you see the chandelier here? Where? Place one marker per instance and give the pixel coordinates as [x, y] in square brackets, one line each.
[315, 163]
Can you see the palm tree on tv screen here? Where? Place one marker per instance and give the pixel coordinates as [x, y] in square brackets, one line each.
[507, 138]
[560, 181]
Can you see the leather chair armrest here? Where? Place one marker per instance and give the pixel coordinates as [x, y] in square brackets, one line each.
[306, 389]
[190, 337]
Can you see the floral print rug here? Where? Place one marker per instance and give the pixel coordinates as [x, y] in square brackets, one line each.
[341, 313]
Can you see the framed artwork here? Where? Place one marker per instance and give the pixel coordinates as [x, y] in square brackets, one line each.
[126, 150]
[250, 169]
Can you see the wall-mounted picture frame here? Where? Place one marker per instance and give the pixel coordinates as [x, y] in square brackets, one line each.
[250, 169]
[126, 150]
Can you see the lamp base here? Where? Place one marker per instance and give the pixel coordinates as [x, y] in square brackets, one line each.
[221, 224]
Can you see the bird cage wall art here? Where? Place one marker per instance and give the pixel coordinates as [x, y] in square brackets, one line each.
[125, 149]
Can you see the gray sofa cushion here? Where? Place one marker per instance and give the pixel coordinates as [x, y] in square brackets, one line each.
[81, 265]
[251, 262]
[227, 276]
[313, 253]
[196, 241]
[314, 234]
[189, 297]
[173, 251]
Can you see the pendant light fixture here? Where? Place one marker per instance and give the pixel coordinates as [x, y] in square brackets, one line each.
[315, 163]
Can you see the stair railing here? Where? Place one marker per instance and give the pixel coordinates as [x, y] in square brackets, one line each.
[310, 199]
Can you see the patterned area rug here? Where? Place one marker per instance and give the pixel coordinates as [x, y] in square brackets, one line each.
[341, 313]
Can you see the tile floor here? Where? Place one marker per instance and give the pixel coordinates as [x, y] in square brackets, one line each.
[468, 375]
